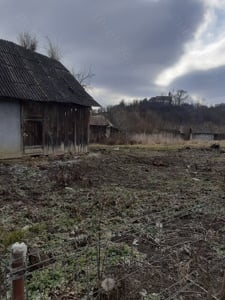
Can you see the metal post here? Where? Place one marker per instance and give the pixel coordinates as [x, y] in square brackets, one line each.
[18, 257]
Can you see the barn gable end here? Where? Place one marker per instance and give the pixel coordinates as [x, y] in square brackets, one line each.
[43, 108]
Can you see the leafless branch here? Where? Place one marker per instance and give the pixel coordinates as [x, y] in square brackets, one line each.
[83, 77]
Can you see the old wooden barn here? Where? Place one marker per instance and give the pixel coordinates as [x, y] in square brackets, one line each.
[101, 129]
[43, 108]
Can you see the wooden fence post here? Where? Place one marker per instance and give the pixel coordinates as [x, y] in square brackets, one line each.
[222, 292]
[18, 257]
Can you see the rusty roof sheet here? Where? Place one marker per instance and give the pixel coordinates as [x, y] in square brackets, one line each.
[100, 120]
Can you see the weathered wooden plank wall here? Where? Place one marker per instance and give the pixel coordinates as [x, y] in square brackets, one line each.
[55, 127]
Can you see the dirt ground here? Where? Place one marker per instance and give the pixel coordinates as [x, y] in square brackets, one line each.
[152, 220]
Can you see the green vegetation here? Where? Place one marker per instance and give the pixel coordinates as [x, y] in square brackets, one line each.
[137, 214]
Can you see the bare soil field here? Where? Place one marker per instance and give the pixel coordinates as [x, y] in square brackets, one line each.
[152, 221]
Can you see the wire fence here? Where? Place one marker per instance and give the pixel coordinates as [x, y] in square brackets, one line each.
[158, 262]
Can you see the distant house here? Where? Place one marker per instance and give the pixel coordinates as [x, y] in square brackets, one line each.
[202, 136]
[43, 108]
[208, 136]
[162, 99]
[101, 129]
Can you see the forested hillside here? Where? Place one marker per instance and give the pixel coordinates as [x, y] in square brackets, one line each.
[163, 113]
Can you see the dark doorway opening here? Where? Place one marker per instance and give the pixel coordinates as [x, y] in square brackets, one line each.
[33, 133]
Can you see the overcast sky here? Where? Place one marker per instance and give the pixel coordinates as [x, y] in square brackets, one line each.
[136, 48]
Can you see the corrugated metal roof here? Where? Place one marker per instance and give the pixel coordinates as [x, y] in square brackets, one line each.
[28, 75]
[100, 120]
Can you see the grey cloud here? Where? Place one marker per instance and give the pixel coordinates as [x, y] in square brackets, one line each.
[126, 43]
[208, 84]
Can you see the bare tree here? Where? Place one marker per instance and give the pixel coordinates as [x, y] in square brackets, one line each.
[180, 96]
[83, 77]
[27, 40]
[53, 50]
